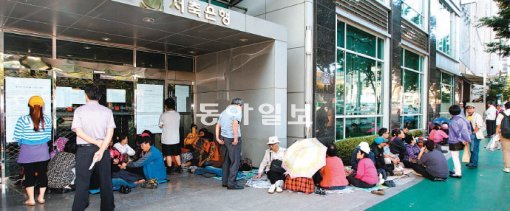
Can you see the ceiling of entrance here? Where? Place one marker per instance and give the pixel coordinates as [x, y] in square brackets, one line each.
[120, 24]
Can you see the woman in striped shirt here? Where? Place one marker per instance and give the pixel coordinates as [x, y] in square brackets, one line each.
[32, 132]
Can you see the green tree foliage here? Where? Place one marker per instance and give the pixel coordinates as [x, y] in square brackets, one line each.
[501, 25]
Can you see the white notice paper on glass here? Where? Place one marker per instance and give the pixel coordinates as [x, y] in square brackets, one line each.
[116, 95]
[78, 96]
[149, 98]
[17, 93]
[182, 94]
[147, 122]
[63, 98]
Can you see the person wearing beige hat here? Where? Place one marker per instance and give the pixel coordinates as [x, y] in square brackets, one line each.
[275, 175]
[32, 132]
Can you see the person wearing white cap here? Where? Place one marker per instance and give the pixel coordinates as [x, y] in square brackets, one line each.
[478, 127]
[273, 158]
[366, 174]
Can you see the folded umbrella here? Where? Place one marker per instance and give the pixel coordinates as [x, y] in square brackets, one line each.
[304, 158]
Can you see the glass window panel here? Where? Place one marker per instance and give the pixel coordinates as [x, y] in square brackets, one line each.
[412, 60]
[412, 92]
[340, 83]
[27, 45]
[412, 122]
[340, 34]
[361, 86]
[412, 10]
[180, 63]
[379, 124]
[446, 97]
[360, 41]
[339, 128]
[355, 127]
[441, 26]
[446, 79]
[380, 48]
[150, 60]
[94, 53]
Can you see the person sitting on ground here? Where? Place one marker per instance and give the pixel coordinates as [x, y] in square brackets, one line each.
[210, 152]
[397, 145]
[407, 135]
[151, 161]
[61, 168]
[437, 135]
[412, 151]
[431, 163]
[122, 145]
[383, 133]
[192, 137]
[276, 175]
[383, 163]
[366, 175]
[119, 164]
[138, 150]
[333, 174]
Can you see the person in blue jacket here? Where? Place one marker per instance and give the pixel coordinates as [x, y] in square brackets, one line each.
[151, 162]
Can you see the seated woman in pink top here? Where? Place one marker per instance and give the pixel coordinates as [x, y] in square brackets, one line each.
[437, 135]
[366, 175]
[333, 174]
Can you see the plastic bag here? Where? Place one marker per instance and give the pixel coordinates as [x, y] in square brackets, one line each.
[494, 143]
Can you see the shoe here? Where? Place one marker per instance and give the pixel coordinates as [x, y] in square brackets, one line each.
[223, 185]
[271, 189]
[507, 170]
[452, 172]
[279, 186]
[472, 166]
[178, 170]
[236, 187]
[379, 192]
[455, 176]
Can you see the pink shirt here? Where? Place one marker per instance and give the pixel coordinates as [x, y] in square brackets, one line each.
[438, 135]
[367, 172]
[333, 174]
[94, 119]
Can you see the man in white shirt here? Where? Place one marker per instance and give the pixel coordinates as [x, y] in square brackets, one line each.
[169, 121]
[490, 119]
[478, 127]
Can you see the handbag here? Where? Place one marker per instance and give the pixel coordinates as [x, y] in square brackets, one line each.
[276, 165]
[467, 154]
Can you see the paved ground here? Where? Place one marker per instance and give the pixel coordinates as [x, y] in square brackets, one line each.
[190, 192]
[484, 188]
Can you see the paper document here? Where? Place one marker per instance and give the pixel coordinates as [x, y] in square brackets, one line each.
[94, 161]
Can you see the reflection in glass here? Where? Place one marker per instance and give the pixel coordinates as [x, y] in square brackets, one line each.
[411, 122]
[355, 127]
[361, 86]
[441, 26]
[412, 92]
[360, 41]
[340, 83]
[340, 128]
[412, 11]
[340, 34]
[446, 98]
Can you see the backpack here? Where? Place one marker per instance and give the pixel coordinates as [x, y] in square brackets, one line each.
[505, 126]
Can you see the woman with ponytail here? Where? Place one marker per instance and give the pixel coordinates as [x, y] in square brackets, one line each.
[32, 132]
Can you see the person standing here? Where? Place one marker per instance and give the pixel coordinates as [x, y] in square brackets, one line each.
[169, 121]
[490, 119]
[94, 126]
[503, 124]
[478, 127]
[32, 132]
[459, 134]
[229, 125]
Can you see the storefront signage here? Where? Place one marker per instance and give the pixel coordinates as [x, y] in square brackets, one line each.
[209, 13]
[17, 93]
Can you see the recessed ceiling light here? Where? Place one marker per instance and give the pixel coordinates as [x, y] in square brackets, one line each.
[148, 20]
[243, 39]
[87, 47]
[106, 39]
[192, 52]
